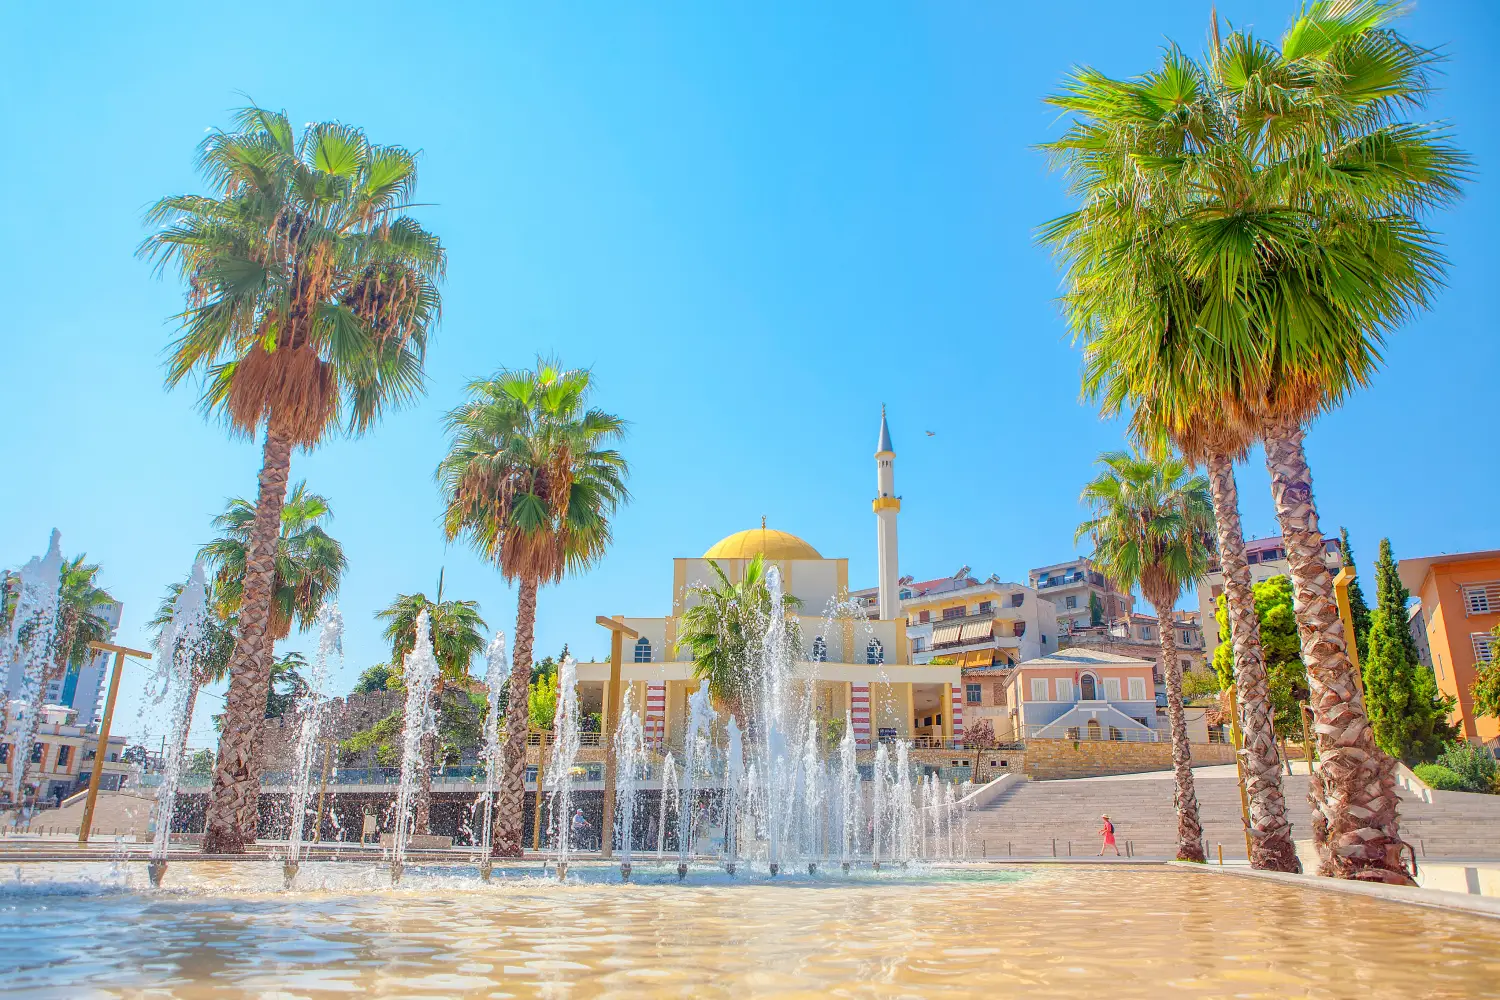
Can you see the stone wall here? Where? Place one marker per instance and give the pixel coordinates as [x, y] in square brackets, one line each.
[342, 718]
[1046, 759]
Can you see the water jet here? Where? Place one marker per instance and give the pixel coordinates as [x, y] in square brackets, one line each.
[156, 870]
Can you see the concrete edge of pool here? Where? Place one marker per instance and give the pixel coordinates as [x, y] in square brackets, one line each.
[1486, 906]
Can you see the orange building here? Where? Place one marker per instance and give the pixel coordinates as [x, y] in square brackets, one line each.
[1460, 596]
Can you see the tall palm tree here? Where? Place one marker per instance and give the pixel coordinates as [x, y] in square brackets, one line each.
[457, 637]
[1274, 197]
[309, 562]
[81, 605]
[310, 298]
[1151, 528]
[211, 660]
[531, 484]
[723, 629]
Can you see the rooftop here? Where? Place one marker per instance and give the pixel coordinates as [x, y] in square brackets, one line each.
[762, 541]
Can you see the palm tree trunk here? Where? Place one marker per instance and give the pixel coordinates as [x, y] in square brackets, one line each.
[187, 726]
[1354, 792]
[1189, 826]
[234, 800]
[1271, 845]
[509, 814]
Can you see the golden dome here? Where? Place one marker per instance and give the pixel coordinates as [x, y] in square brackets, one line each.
[764, 541]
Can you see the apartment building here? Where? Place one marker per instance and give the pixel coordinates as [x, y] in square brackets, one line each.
[1267, 558]
[1073, 586]
[1139, 636]
[1460, 609]
[62, 757]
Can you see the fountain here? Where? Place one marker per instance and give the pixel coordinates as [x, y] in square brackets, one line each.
[495, 675]
[697, 751]
[734, 780]
[419, 673]
[310, 708]
[565, 725]
[630, 756]
[668, 778]
[878, 796]
[848, 796]
[29, 644]
[177, 649]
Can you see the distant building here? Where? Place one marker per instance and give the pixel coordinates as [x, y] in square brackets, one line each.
[1139, 636]
[1070, 586]
[1267, 558]
[1081, 694]
[82, 688]
[1460, 608]
[62, 757]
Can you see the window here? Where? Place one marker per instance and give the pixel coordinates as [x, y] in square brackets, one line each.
[1481, 598]
[643, 650]
[1112, 688]
[1485, 648]
[1017, 600]
[1148, 633]
[950, 613]
[531, 773]
[887, 733]
[1252, 557]
[1072, 601]
[820, 649]
[1137, 689]
[37, 749]
[973, 693]
[1088, 690]
[1096, 731]
[918, 644]
[1039, 689]
[4, 752]
[1115, 734]
[1187, 637]
[1064, 689]
[986, 607]
[905, 594]
[874, 652]
[63, 753]
[924, 616]
[1018, 629]
[1437, 656]
[1073, 733]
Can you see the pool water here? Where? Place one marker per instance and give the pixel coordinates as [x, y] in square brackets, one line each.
[229, 930]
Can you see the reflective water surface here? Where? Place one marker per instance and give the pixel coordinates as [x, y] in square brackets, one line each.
[228, 930]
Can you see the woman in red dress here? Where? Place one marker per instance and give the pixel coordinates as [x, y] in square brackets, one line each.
[1108, 832]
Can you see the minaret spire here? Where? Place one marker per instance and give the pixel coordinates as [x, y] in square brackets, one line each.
[886, 506]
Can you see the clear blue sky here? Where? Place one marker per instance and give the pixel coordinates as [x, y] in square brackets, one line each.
[755, 222]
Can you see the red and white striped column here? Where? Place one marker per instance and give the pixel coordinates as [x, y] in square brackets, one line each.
[958, 711]
[859, 711]
[656, 711]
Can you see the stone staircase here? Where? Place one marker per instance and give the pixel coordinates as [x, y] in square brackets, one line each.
[1024, 820]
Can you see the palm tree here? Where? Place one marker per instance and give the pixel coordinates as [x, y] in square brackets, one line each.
[309, 562]
[81, 604]
[308, 565]
[1260, 213]
[310, 298]
[457, 636]
[211, 660]
[532, 486]
[1151, 527]
[724, 627]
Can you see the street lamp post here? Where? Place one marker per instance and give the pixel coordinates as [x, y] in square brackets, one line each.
[103, 746]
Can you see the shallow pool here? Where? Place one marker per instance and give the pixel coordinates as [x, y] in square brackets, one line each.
[228, 930]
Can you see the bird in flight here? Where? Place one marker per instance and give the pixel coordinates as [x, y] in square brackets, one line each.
[932, 433]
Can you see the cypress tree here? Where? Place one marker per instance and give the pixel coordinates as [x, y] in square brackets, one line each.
[1407, 712]
[1358, 609]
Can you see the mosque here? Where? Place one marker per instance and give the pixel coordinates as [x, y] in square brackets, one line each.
[859, 665]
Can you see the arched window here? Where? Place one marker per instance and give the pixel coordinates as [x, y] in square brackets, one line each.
[643, 650]
[1088, 688]
[1096, 732]
[874, 652]
[820, 650]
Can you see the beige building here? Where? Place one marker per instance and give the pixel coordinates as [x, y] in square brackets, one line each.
[1267, 558]
[1073, 586]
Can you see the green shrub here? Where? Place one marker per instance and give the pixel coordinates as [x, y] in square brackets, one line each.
[1444, 779]
[1474, 765]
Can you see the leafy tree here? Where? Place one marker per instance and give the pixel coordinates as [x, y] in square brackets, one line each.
[1486, 687]
[541, 702]
[1151, 528]
[287, 684]
[379, 677]
[1444, 779]
[1200, 683]
[200, 764]
[724, 628]
[531, 483]
[456, 630]
[309, 562]
[1407, 711]
[1251, 228]
[1285, 674]
[382, 739]
[310, 298]
[1359, 611]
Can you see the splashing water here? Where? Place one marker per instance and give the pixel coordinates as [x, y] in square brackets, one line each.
[630, 756]
[29, 652]
[734, 780]
[696, 751]
[310, 706]
[564, 755]
[177, 649]
[420, 673]
[848, 794]
[494, 681]
[668, 781]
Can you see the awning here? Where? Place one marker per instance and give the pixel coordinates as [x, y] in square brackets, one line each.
[979, 658]
[946, 635]
[977, 631]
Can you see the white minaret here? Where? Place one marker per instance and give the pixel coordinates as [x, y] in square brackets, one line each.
[886, 506]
